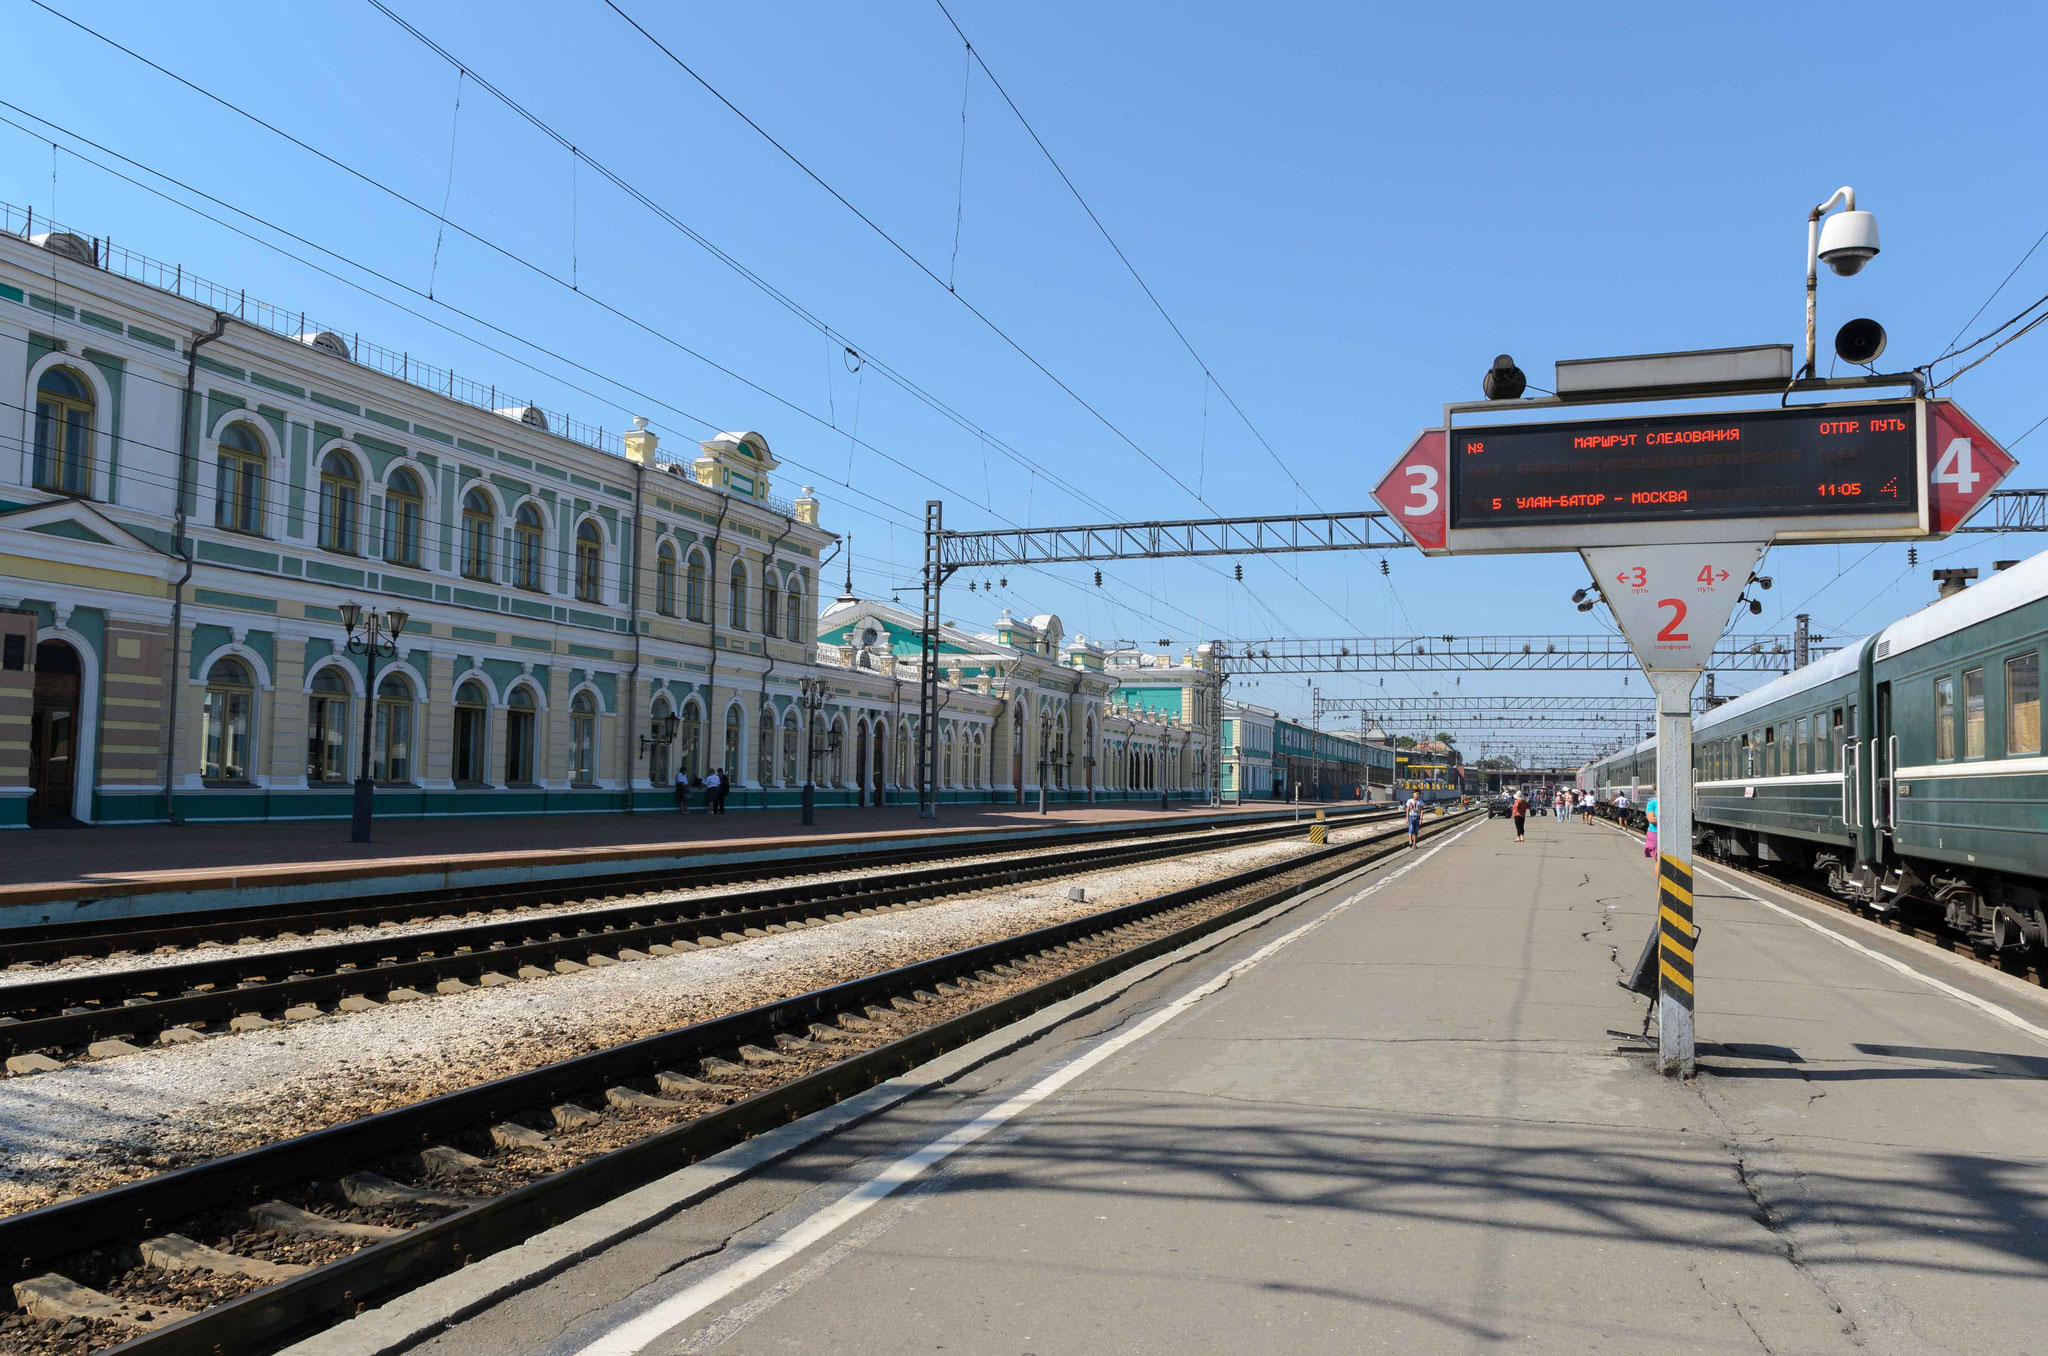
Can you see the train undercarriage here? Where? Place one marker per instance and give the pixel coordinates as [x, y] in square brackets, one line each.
[1990, 909]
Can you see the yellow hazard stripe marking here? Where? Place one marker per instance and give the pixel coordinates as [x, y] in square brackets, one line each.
[1676, 948]
[1677, 892]
[1680, 867]
[1671, 973]
[1684, 925]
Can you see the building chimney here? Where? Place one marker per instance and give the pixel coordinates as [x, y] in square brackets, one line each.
[1953, 582]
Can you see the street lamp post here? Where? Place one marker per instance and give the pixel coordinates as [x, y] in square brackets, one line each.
[814, 690]
[372, 634]
[661, 732]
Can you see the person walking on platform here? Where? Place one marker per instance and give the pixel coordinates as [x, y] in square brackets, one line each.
[1414, 819]
[1650, 817]
[682, 791]
[1521, 812]
[714, 791]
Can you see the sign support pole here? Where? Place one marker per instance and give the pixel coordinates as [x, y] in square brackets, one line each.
[1677, 933]
[1673, 602]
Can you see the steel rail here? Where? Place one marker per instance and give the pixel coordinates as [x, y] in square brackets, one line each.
[71, 1011]
[261, 1320]
[58, 941]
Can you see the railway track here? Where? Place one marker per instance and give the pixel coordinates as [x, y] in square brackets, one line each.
[98, 1014]
[246, 1252]
[46, 943]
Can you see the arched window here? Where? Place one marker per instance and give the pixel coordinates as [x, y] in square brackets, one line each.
[589, 562]
[660, 756]
[64, 425]
[771, 603]
[905, 774]
[230, 714]
[948, 765]
[665, 580]
[238, 480]
[404, 508]
[734, 737]
[793, 607]
[479, 528]
[327, 727]
[977, 777]
[527, 544]
[736, 602]
[472, 734]
[519, 731]
[695, 606]
[391, 737]
[341, 502]
[690, 740]
[835, 752]
[582, 741]
[764, 747]
[790, 760]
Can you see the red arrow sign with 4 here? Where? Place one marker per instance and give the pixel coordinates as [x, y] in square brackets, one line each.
[1964, 464]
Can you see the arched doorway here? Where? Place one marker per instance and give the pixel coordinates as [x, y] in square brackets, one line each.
[1017, 754]
[878, 772]
[860, 759]
[53, 747]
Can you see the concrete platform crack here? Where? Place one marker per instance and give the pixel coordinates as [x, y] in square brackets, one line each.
[1736, 1306]
[1741, 1155]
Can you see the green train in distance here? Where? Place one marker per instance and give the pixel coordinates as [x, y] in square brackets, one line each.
[1906, 768]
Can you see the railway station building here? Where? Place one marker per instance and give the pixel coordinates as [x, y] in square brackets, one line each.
[196, 488]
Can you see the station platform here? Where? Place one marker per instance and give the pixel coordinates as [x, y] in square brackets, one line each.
[1404, 1114]
[99, 871]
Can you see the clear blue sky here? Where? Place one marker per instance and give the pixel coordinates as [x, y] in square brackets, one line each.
[1348, 208]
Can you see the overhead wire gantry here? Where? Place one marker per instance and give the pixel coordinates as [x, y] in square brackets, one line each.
[947, 552]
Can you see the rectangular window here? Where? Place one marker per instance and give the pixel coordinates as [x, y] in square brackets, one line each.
[1799, 747]
[2023, 703]
[1973, 713]
[1841, 762]
[1770, 758]
[1944, 719]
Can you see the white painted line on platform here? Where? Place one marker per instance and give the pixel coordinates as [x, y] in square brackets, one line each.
[1983, 1005]
[636, 1334]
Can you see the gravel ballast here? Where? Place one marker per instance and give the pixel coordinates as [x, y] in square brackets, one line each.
[93, 1125]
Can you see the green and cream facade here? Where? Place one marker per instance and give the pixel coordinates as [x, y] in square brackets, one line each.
[560, 594]
[1020, 708]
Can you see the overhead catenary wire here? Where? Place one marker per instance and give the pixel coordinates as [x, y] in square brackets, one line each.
[900, 248]
[470, 74]
[1130, 267]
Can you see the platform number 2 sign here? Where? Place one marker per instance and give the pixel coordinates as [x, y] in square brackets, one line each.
[1676, 606]
[1954, 467]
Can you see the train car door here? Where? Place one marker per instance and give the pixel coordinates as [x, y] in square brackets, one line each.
[1883, 745]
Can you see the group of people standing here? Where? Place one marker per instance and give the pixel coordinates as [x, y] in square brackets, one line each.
[716, 787]
[1564, 803]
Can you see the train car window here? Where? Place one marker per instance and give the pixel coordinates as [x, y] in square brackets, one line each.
[1820, 742]
[1836, 761]
[1851, 727]
[2023, 703]
[1973, 713]
[1797, 760]
[1770, 758]
[1944, 719]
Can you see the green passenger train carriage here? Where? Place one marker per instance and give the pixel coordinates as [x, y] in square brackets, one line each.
[1908, 767]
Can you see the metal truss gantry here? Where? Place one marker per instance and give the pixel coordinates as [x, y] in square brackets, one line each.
[1454, 706]
[1466, 654]
[1286, 534]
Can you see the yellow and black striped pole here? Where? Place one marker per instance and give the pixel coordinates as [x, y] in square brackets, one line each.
[1318, 831]
[1677, 933]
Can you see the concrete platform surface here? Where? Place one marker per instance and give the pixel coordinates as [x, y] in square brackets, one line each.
[117, 860]
[1418, 1126]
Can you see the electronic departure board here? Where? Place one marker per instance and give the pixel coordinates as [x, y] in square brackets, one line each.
[1837, 461]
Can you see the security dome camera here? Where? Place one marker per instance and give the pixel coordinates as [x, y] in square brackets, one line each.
[1848, 241]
